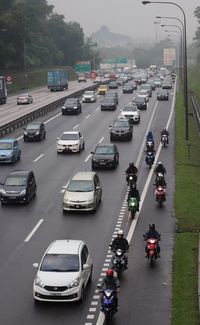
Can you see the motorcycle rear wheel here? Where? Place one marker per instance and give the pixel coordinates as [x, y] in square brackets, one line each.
[108, 317]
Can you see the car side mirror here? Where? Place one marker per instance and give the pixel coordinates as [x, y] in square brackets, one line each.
[97, 187]
[58, 138]
[35, 265]
[85, 266]
[92, 152]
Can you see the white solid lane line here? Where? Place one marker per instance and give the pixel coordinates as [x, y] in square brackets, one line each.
[34, 230]
[88, 157]
[40, 156]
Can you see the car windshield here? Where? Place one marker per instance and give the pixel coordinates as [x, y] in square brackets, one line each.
[89, 93]
[19, 180]
[69, 136]
[60, 263]
[5, 145]
[102, 87]
[80, 186]
[33, 126]
[23, 95]
[70, 101]
[142, 92]
[121, 124]
[104, 150]
[108, 100]
[129, 109]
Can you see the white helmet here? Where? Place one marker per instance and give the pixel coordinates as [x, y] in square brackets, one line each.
[120, 232]
[159, 163]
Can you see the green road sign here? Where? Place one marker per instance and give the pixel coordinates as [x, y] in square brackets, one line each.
[82, 66]
[121, 60]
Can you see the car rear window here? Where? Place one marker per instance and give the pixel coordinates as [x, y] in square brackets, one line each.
[104, 150]
[60, 263]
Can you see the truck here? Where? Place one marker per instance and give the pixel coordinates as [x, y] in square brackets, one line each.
[57, 80]
[3, 90]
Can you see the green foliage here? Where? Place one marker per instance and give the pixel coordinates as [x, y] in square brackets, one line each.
[32, 35]
[197, 33]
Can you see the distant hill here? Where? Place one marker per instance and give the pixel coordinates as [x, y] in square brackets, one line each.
[105, 38]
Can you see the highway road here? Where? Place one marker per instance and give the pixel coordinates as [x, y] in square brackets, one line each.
[145, 295]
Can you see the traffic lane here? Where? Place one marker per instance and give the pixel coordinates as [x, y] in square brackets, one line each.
[87, 235]
[146, 292]
[16, 111]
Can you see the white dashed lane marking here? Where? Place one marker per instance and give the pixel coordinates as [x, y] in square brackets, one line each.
[40, 156]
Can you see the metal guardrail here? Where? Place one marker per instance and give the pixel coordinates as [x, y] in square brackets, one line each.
[19, 122]
[196, 109]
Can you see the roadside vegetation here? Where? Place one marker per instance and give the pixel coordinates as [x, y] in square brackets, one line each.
[187, 206]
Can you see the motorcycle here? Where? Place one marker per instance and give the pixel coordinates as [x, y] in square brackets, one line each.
[108, 304]
[132, 206]
[131, 179]
[150, 145]
[164, 140]
[149, 158]
[160, 193]
[118, 262]
[152, 249]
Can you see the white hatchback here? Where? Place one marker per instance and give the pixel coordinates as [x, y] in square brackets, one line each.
[70, 141]
[63, 273]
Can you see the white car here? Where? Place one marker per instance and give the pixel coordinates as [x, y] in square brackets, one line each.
[131, 112]
[89, 96]
[70, 141]
[82, 193]
[144, 94]
[63, 273]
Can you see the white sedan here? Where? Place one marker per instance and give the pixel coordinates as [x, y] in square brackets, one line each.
[89, 96]
[64, 271]
[143, 94]
[131, 112]
[70, 141]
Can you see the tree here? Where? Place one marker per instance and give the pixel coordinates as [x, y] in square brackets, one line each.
[197, 33]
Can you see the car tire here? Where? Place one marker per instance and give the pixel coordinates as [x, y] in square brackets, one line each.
[19, 156]
[44, 137]
[90, 277]
[13, 160]
[83, 147]
[111, 138]
[82, 294]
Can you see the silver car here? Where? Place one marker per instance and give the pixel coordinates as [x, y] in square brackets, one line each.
[82, 193]
[89, 96]
[24, 99]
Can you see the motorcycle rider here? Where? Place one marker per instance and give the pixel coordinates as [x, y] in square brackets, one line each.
[152, 233]
[120, 243]
[134, 193]
[150, 138]
[160, 180]
[110, 282]
[164, 132]
[132, 169]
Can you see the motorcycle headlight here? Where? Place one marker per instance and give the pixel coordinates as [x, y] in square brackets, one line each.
[74, 283]
[38, 282]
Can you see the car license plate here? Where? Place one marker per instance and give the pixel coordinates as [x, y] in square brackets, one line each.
[77, 206]
[55, 294]
[102, 163]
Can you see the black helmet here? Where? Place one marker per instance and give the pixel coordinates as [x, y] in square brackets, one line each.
[153, 227]
[131, 164]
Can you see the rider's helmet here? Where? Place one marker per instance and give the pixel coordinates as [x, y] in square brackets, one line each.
[164, 129]
[153, 227]
[131, 164]
[120, 233]
[159, 163]
[109, 273]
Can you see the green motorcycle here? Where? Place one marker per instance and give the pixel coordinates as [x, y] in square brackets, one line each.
[132, 206]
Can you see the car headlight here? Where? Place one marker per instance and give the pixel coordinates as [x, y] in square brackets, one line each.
[38, 282]
[2, 191]
[9, 154]
[23, 192]
[37, 133]
[25, 132]
[75, 107]
[90, 199]
[74, 283]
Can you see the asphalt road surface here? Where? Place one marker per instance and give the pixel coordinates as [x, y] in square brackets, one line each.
[145, 295]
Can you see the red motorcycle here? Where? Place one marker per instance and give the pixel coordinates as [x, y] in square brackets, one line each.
[152, 249]
[160, 193]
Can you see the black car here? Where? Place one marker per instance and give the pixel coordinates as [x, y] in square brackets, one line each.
[152, 84]
[121, 129]
[163, 95]
[120, 81]
[140, 102]
[19, 187]
[105, 155]
[71, 106]
[34, 131]
[108, 104]
[113, 85]
[127, 89]
[166, 85]
[112, 94]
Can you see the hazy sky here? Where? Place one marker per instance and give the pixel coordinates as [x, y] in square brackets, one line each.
[127, 17]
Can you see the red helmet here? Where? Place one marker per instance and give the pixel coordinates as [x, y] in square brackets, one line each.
[109, 272]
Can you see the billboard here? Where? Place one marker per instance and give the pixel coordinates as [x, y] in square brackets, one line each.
[169, 56]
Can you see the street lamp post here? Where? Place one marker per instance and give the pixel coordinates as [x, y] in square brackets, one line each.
[182, 50]
[156, 22]
[185, 62]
